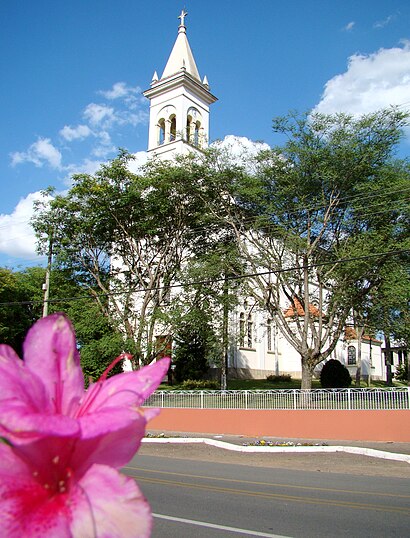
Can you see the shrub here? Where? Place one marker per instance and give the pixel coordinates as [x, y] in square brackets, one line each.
[283, 378]
[335, 375]
[401, 373]
[194, 347]
[192, 384]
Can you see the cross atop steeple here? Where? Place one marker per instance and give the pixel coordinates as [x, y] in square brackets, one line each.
[182, 17]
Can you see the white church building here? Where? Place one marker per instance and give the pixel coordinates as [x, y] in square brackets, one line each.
[178, 124]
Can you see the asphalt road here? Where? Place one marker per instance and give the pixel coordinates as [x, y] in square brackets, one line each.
[196, 498]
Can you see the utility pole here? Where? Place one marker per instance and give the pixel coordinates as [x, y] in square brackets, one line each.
[46, 285]
[224, 365]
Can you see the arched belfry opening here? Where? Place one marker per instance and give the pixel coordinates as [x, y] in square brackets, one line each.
[172, 128]
[161, 132]
[194, 127]
[179, 103]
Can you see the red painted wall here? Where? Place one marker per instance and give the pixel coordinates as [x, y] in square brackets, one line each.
[340, 425]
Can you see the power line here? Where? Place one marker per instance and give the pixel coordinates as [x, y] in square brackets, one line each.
[212, 281]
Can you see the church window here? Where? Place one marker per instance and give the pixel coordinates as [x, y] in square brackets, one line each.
[351, 355]
[161, 132]
[242, 330]
[245, 331]
[249, 331]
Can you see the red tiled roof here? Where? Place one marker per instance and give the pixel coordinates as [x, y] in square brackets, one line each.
[351, 334]
[297, 310]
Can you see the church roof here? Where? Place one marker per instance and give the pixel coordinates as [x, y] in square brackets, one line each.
[181, 57]
[351, 334]
[297, 310]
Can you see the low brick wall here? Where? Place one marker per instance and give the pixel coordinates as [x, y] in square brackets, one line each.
[338, 425]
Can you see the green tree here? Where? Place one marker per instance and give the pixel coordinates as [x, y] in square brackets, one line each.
[126, 237]
[195, 344]
[20, 303]
[303, 209]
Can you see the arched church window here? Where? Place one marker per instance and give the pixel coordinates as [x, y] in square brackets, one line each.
[161, 132]
[249, 332]
[245, 331]
[173, 128]
[242, 330]
[351, 355]
[196, 133]
[188, 127]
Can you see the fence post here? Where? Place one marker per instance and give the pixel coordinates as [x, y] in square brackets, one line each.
[294, 399]
[202, 399]
[408, 396]
[246, 399]
[349, 402]
[162, 399]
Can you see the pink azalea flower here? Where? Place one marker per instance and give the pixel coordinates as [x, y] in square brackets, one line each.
[58, 467]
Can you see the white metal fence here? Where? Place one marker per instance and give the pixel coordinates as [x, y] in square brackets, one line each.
[323, 399]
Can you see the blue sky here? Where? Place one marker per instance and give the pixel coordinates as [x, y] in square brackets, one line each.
[73, 72]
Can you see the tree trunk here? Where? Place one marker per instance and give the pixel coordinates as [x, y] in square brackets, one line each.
[224, 365]
[388, 359]
[307, 374]
[359, 332]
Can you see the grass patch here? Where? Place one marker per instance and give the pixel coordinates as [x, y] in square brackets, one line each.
[264, 384]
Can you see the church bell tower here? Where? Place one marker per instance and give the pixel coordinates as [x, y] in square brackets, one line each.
[179, 103]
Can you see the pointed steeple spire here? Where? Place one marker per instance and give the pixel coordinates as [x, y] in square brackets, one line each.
[181, 56]
[179, 103]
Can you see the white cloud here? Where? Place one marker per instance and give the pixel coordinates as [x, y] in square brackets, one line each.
[130, 95]
[96, 114]
[239, 146]
[39, 153]
[17, 237]
[349, 26]
[385, 22]
[119, 90]
[75, 133]
[87, 166]
[240, 150]
[140, 159]
[371, 82]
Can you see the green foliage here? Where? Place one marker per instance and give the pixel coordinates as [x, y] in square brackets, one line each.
[283, 378]
[193, 384]
[320, 205]
[97, 340]
[402, 372]
[18, 290]
[195, 346]
[335, 375]
[150, 223]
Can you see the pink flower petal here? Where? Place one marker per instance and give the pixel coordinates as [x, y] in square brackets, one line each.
[20, 384]
[18, 425]
[126, 389]
[115, 448]
[26, 412]
[50, 351]
[118, 507]
[26, 507]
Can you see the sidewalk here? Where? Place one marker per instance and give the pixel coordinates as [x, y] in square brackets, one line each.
[399, 448]
[327, 459]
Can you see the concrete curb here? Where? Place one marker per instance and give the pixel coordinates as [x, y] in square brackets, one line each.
[280, 449]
